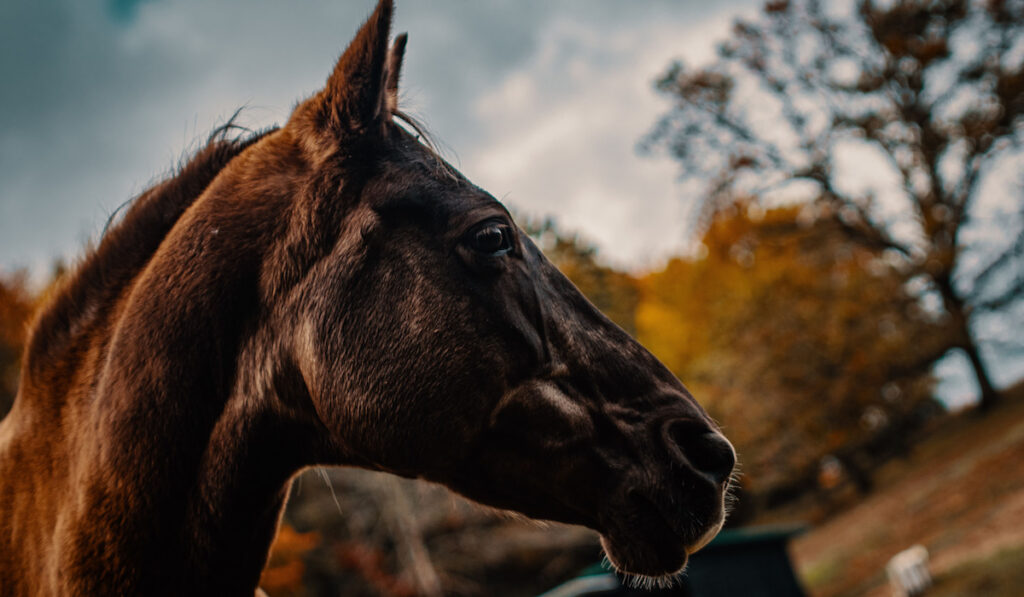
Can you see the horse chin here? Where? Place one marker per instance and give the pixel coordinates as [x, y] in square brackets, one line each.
[646, 545]
[639, 558]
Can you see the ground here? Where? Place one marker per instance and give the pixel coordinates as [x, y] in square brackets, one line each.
[960, 493]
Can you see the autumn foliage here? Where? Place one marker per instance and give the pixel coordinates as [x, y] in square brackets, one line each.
[284, 572]
[802, 344]
[16, 305]
[806, 346]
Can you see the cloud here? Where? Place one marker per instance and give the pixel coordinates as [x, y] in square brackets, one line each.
[101, 98]
[558, 134]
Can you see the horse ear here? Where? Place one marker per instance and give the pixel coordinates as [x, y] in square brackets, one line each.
[394, 72]
[354, 101]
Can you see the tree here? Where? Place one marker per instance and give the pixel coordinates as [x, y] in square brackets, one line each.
[934, 89]
[801, 343]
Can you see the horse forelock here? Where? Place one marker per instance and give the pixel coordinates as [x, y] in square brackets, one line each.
[441, 167]
[85, 297]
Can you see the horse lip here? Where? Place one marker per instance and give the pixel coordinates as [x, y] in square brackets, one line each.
[648, 506]
[710, 534]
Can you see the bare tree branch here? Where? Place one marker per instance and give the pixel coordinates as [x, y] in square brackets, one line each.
[911, 88]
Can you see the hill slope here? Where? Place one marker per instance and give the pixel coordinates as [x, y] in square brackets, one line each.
[960, 494]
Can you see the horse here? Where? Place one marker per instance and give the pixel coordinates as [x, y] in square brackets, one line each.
[330, 292]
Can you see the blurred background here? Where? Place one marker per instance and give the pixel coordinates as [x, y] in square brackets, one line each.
[812, 212]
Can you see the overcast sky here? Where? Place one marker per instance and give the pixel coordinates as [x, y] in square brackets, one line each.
[541, 103]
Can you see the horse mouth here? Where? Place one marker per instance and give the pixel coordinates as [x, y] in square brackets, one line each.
[648, 541]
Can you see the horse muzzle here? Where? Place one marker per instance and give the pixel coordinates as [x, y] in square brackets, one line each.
[673, 507]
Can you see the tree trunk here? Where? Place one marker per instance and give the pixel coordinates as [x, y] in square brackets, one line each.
[955, 306]
[989, 395]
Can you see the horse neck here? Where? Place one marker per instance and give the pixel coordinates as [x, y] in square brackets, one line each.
[186, 444]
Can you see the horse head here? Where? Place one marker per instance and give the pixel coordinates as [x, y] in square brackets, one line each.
[429, 337]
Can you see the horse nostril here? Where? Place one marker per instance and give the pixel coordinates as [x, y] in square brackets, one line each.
[706, 451]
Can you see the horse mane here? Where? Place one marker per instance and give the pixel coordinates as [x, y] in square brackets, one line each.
[85, 297]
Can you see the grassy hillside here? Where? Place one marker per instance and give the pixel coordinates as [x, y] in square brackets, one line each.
[960, 494]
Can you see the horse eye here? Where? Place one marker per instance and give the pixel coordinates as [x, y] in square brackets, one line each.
[492, 239]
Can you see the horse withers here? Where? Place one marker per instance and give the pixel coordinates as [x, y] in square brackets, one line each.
[329, 292]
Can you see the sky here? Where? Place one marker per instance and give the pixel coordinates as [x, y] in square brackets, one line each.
[541, 103]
